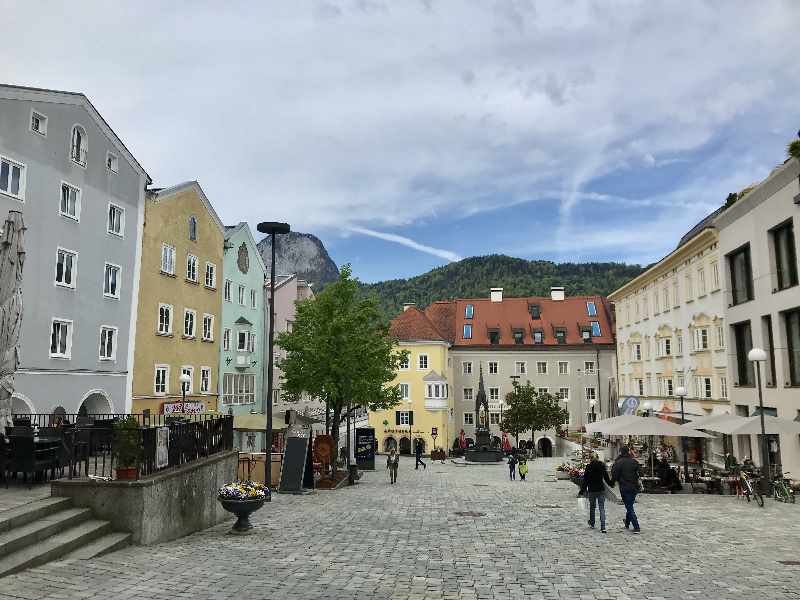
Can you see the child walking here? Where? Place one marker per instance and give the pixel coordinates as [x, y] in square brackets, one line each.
[512, 467]
[523, 469]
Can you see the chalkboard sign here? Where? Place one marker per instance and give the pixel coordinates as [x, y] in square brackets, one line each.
[365, 448]
[294, 464]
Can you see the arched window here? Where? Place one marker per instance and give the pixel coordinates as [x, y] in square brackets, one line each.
[79, 145]
[193, 229]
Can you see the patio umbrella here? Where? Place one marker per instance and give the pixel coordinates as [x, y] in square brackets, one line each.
[752, 425]
[602, 425]
[649, 426]
[12, 260]
[707, 421]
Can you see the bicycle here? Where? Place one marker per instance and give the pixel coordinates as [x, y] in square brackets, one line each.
[781, 490]
[748, 489]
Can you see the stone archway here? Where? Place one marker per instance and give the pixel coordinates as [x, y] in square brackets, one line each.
[405, 445]
[20, 405]
[544, 447]
[389, 444]
[95, 402]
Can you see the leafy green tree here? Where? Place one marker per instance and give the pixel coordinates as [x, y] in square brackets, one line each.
[531, 410]
[340, 351]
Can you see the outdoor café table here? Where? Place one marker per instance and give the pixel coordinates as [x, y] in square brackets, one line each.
[713, 484]
[650, 483]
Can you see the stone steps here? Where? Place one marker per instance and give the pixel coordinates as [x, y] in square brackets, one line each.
[52, 528]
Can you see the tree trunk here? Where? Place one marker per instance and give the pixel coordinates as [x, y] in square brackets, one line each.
[327, 417]
[337, 411]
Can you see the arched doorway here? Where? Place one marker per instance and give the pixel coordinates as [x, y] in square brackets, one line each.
[405, 445]
[545, 447]
[95, 403]
[20, 405]
[389, 444]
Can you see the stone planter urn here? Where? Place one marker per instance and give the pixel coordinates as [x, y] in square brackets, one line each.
[241, 509]
[562, 474]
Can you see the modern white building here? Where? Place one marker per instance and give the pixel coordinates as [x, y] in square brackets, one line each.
[81, 193]
[757, 243]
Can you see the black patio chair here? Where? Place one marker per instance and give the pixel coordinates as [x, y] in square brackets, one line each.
[21, 431]
[4, 450]
[26, 458]
[21, 422]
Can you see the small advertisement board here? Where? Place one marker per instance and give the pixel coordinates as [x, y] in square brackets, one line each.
[365, 448]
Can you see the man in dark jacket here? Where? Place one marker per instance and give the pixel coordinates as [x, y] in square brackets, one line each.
[626, 472]
[418, 453]
[594, 478]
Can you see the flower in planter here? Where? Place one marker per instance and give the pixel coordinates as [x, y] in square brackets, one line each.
[244, 490]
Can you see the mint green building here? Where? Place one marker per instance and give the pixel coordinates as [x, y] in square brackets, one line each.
[242, 352]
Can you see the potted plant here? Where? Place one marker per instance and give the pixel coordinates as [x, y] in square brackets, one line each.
[562, 471]
[241, 498]
[127, 448]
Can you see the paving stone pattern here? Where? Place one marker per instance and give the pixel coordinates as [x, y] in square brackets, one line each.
[406, 541]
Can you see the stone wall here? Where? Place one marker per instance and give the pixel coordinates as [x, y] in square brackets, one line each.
[164, 507]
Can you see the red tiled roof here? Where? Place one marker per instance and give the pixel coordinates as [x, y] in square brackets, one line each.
[413, 324]
[443, 316]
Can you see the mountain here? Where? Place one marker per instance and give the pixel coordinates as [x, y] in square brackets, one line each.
[472, 278]
[301, 253]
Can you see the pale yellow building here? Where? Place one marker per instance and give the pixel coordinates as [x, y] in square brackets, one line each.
[179, 305]
[424, 379]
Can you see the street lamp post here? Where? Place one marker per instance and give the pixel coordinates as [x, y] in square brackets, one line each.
[272, 229]
[185, 380]
[682, 393]
[757, 356]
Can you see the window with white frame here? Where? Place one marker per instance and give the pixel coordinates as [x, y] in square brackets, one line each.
[591, 393]
[226, 290]
[638, 385]
[226, 339]
[108, 343]
[189, 318]
[168, 259]
[701, 338]
[637, 351]
[588, 367]
[66, 268]
[161, 382]
[703, 387]
[112, 162]
[70, 204]
[543, 390]
[469, 418]
[187, 387]
[493, 367]
[563, 393]
[422, 362]
[467, 394]
[436, 390]
[656, 304]
[723, 387]
[665, 347]
[164, 319]
[688, 288]
[466, 368]
[720, 336]
[111, 280]
[494, 394]
[715, 275]
[242, 341]
[238, 388]
[61, 338]
[192, 228]
[191, 268]
[12, 178]
[701, 281]
[520, 367]
[405, 362]
[205, 380]
[679, 344]
[405, 392]
[78, 146]
[251, 347]
[116, 220]
[208, 328]
[541, 367]
[211, 275]
[252, 298]
[38, 123]
[665, 294]
[563, 367]
[241, 295]
[494, 418]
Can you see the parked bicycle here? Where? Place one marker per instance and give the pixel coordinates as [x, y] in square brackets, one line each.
[749, 490]
[781, 490]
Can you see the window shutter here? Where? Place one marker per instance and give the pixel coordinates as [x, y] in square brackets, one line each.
[397, 417]
[411, 417]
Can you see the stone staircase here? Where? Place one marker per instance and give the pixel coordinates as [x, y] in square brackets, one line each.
[51, 528]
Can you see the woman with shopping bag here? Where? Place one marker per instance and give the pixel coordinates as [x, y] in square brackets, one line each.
[595, 479]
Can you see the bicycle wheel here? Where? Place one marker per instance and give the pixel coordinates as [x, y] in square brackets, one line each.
[759, 498]
[792, 496]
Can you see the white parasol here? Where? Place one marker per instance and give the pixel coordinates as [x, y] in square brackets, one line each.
[734, 425]
[632, 425]
[12, 260]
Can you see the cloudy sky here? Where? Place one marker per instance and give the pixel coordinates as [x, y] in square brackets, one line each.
[410, 133]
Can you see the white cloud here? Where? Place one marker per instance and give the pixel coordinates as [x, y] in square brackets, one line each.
[408, 242]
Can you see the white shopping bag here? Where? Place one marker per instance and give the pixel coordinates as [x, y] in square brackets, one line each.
[583, 505]
[609, 493]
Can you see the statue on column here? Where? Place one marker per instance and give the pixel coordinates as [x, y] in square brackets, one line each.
[12, 260]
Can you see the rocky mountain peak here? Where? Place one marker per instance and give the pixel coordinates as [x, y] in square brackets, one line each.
[303, 254]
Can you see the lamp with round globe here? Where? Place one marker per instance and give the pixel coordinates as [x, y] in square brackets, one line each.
[758, 356]
[681, 393]
[185, 380]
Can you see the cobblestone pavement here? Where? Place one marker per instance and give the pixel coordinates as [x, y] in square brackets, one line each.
[407, 541]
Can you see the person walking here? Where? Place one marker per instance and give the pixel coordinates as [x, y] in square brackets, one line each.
[418, 453]
[523, 469]
[595, 476]
[512, 466]
[392, 462]
[626, 472]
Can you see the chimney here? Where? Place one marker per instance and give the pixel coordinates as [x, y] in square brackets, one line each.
[496, 294]
[556, 294]
[408, 305]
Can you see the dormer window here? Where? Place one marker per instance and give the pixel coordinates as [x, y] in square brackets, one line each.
[561, 335]
[79, 145]
[192, 229]
[494, 337]
[595, 328]
[469, 310]
[535, 310]
[591, 308]
[519, 336]
[538, 336]
[467, 332]
[586, 335]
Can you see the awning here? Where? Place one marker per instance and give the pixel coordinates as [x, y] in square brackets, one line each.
[632, 425]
